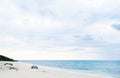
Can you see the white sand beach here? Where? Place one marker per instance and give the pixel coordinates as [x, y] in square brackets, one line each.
[24, 70]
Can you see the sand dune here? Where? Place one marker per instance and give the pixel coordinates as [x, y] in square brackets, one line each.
[24, 70]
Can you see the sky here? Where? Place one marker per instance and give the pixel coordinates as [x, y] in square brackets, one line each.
[60, 29]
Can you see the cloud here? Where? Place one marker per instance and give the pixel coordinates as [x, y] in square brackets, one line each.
[103, 31]
[80, 29]
[32, 22]
[116, 26]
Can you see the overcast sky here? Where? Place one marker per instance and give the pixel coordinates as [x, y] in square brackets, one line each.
[60, 29]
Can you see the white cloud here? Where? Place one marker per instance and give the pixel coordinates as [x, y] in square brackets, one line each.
[9, 39]
[16, 18]
[32, 22]
[105, 30]
[51, 55]
[54, 29]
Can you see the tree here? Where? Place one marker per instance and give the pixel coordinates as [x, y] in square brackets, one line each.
[4, 58]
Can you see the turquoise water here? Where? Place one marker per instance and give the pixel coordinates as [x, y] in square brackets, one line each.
[106, 67]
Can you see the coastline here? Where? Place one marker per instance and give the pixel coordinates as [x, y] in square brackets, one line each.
[25, 71]
[99, 67]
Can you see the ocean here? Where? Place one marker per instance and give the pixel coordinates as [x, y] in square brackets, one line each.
[106, 67]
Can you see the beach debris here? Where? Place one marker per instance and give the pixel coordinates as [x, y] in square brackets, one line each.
[8, 64]
[43, 71]
[13, 68]
[34, 67]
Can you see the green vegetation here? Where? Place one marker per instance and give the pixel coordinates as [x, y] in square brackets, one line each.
[4, 58]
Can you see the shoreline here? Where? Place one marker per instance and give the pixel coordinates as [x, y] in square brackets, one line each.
[25, 71]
